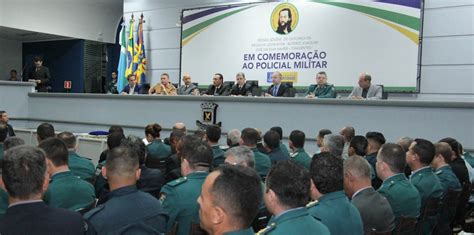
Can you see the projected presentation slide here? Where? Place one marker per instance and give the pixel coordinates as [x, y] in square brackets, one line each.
[341, 38]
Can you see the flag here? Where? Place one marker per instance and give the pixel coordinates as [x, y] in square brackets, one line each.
[122, 66]
[139, 59]
[130, 51]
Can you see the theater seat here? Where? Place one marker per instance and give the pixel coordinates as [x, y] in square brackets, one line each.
[144, 89]
[229, 83]
[384, 94]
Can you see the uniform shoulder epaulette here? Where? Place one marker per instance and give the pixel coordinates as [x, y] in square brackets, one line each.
[267, 229]
[312, 203]
[94, 211]
[439, 172]
[293, 155]
[178, 181]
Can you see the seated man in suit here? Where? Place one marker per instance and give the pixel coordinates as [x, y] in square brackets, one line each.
[357, 184]
[163, 88]
[366, 90]
[322, 89]
[188, 88]
[4, 120]
[218, 88]
[277, 89]
[241, 87]
[25, 176]
[127, 210]
[132, 87]
[40, 75]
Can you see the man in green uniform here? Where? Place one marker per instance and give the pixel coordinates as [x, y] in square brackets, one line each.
[44, 131]
[3, 196]
[179, 196]
[127, 209]
[443, 170]
[449, 182]
[331, 205]
[400, 193]
[3, 136]
[296, 143]
[419, 157]
[213, 134]
[156, 148]
[229, 200]
[80, 166]
[321, 89]
[286, 193]
[249, 138]
[244, 156]
[65, 190]
[279, 130]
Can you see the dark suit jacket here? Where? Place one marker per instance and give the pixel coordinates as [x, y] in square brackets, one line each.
[38, 218]
[136, 90]
[277, 155]
[282, 90]
[43, 75]
[10, 131]
[375, 211]
[245, 90]
[222, 91]
[151, 181]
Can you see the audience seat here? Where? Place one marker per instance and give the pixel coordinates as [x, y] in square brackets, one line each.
[87, 208]
[447, 212]
[229, 83]
[429, 214]
[406, 225]
[384, 94]
[144, 89]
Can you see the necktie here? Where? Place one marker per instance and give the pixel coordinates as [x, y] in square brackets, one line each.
[275, 91]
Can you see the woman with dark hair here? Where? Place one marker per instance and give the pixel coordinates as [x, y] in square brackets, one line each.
[156, 148]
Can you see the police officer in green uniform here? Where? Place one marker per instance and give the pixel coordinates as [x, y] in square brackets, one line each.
[127, 209]
[321, 89]
[249, 137]
[419, 157]
[332, 207]
[65, 190]
[179, 197]
[443, 170]
[231, 194]
[296, 143]
[156, 148]
[80, 166]
[282, 146]
[3, 196]
[3, 136]
[449, 182]
[286, 194]
[400, 193]
[213, 134]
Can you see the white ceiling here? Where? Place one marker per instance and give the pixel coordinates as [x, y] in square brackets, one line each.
[27, 36]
